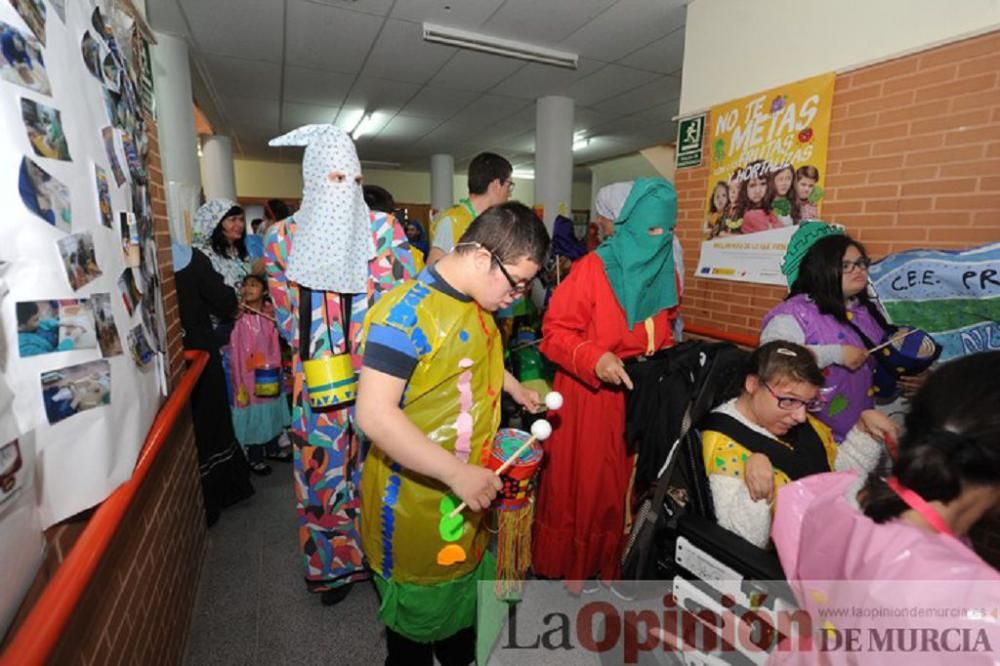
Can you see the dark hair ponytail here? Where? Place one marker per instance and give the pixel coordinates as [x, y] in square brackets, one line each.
[952, 437]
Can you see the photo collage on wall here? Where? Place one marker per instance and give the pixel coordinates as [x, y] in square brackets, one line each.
[117, 59]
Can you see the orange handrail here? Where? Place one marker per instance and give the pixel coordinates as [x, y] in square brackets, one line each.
[741, 339]
[38, 635]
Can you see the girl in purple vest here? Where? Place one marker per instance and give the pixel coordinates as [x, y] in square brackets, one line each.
[826, 307]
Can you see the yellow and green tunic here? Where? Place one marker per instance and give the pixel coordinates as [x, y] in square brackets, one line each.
[448, 350]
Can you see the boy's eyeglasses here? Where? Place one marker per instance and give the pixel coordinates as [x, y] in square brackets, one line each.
[861, 264]
[516, 288]
[788, 403]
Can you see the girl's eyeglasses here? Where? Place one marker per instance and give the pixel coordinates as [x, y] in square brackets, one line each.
[788, 403]
[861, 264]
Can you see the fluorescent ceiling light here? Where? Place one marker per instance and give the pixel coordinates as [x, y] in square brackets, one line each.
[349, 120]
[523, 173]
[503, 47]
[364, 127]
[379, 164]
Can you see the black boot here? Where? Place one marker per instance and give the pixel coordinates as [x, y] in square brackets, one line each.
[334, 596]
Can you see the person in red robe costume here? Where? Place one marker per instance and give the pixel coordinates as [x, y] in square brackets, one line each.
[619, 302]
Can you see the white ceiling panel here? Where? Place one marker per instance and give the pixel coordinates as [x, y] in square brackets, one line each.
[296, 115]
[607, 82]
[333, 60]
[628, 25]
[524, 142]
[243, 78]
[381, 95]
[660, 112]
[585, 118]
[665, 55]
[432, 102]
[408, 128]
[452, 133]
[490, 109]
[470, 70]
[535, 80]
[325, 37]
[468, 14]
[314, 86]
[543, 23]
[376, 7]
[519, 122]
[252, 114]
[401, 54]
[656, 92]
[624, 124]
[166, 16]
[241, 28]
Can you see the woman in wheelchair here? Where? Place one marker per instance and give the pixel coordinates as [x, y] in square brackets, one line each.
[767, 436]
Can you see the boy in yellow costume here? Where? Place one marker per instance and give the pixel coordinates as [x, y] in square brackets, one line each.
[490, 184]
[429, 400]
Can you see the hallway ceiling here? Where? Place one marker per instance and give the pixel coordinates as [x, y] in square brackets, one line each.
[264, 67]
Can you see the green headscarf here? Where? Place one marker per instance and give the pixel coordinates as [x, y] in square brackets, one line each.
[640, 267]
[804, 238]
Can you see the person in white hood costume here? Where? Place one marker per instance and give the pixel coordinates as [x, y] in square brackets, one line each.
[331, 260]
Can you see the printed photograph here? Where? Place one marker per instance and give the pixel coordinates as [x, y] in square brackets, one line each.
[135, 166]
[33, 13]
[104, 197]
[75, 389]
[112, 72]
[10, 464]
[97, 20]
[45, 131]
[108, 134]
[90, 49]
[44, 196]
[131, 294]
[44, 327]
[131, 248]
[79, 259]
[104, 322]
[138, 344]
[21, 61]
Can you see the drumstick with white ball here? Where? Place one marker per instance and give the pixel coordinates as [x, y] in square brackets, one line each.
[541, 430]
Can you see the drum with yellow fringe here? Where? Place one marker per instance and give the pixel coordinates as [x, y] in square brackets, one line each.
[514, 507]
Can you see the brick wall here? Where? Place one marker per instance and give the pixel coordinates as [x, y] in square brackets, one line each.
[138, 607]
[914, 161]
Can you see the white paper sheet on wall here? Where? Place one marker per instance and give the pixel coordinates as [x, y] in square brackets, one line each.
[103, 416]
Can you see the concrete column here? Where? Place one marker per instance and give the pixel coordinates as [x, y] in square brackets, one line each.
[442, 182]
[175, 126]
[554, 156]
[217, 169]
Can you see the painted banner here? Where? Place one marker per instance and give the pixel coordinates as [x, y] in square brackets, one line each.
[767, 158]
[953, 295]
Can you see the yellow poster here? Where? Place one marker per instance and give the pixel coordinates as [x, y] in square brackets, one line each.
[767, 158]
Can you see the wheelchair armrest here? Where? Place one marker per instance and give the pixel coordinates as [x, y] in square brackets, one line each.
[731, 549]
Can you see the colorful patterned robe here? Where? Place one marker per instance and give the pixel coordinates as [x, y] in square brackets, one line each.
[328, 452]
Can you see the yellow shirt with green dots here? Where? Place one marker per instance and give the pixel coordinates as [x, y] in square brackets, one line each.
[724, 455]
